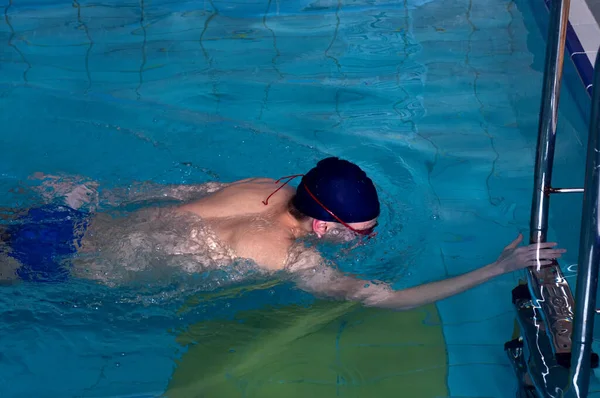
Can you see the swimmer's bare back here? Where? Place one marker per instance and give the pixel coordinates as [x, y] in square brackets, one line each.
[240, 219]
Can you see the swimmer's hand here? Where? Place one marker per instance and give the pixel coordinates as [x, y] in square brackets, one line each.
[514, 257]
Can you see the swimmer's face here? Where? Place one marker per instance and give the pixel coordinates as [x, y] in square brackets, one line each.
[338, 233]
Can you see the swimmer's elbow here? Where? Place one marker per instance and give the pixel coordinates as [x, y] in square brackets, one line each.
[392, 306]
[393, 300]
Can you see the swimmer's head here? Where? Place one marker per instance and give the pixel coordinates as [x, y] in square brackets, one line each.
[339, 197]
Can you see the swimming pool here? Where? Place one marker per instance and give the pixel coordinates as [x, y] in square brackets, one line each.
[437, 100]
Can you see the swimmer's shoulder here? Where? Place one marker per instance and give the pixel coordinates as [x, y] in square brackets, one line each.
[243, 198]
[250, 186]
[268, 249]
[301, 258]
[250, 193]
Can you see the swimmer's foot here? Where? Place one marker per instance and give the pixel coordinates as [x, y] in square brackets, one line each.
[81, 195]
[74, 191]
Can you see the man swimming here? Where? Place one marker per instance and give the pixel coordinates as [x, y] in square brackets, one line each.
[257, 219]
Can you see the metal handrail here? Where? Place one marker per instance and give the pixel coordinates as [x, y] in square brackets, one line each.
[548, 286]
[547, 325]
[548, 119]
[556, 333]
[589, 253]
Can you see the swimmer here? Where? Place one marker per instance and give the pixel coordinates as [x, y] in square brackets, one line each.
[263, 220]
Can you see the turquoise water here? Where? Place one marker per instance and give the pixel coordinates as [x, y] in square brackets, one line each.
[436, 100]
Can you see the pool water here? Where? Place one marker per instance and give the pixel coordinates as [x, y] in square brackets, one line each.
[437, 100]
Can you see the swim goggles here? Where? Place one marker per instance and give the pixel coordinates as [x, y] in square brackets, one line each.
[364, 232]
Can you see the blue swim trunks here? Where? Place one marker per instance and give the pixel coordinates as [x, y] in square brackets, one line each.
[43, 238]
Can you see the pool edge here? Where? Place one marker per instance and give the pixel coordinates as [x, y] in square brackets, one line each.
[577, 52]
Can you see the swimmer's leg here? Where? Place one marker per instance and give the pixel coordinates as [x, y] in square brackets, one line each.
[9, 268]
[8, 214]
[8, 265]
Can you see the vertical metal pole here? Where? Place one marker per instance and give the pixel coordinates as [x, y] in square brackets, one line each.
[548, 286]
[589, 253]
[555, 49]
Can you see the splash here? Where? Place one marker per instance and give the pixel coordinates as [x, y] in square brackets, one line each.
[136, 235]
[152, 241]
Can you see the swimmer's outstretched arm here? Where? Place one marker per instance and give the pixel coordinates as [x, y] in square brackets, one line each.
[78, 191]
[329, 282]
[149, 190]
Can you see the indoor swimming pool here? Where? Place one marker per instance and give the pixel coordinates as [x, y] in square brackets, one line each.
[437, 100]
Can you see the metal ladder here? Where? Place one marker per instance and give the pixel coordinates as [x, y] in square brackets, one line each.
[553, 357]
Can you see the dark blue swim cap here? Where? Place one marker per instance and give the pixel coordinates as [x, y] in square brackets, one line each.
[342, 187]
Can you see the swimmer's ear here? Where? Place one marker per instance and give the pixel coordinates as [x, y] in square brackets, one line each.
[319, 227]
